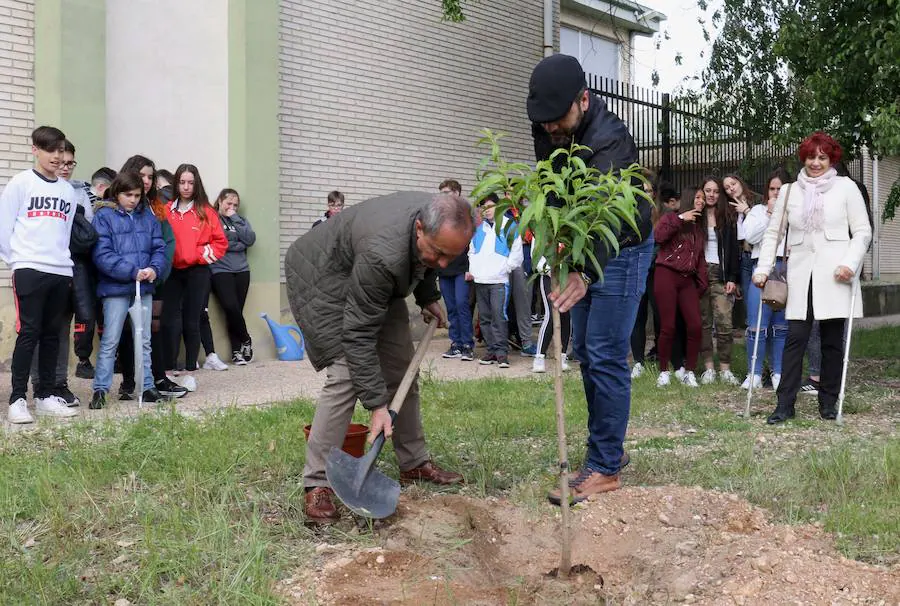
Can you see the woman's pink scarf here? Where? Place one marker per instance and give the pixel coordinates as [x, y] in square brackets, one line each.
[814, 189]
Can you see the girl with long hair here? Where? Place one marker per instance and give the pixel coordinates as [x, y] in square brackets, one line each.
[199, 242]
[231, 274]
[130, 248]
[742, 199]
[680, 279]
[723, 263]
[773, 326]
[146, 169]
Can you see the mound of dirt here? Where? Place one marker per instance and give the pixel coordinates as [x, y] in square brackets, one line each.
[647, 546]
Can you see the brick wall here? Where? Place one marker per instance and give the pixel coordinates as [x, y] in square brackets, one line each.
[380, 97]
[16, 93]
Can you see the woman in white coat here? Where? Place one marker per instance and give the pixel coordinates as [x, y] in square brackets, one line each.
[828, 234]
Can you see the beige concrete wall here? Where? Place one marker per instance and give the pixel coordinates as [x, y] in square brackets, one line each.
[889, 233]
[16, 124]
[383, 97]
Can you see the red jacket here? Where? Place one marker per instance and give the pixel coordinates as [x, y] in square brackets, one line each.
[196, 242]
[681, 248]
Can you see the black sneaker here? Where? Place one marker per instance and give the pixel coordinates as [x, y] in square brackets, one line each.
[84, 370]
[247, 350]
[98, 400]
[454, 352]
[63, 392]
[466, 354]
[153, 395]
[810, 387]
[487, 359]
[126, 393]
[503, 361]
[238, 359]
[170, 388]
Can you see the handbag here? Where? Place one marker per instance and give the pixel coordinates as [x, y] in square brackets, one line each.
[775, 292]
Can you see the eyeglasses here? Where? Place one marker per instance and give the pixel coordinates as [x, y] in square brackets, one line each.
[71, 164]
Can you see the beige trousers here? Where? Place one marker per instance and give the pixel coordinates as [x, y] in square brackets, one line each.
[334, 409]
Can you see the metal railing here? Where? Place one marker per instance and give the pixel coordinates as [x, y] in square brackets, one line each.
[683, 144]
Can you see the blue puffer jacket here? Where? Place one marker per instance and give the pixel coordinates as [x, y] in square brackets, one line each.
[127, 242]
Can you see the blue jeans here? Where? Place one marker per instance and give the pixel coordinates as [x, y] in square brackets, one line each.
[455, 290]
[772, 332]
[601, 331]
[114, 311]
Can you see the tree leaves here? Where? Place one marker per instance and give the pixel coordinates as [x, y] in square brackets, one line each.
[588, 205]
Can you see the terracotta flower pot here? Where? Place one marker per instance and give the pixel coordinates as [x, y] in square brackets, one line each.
[355, 440]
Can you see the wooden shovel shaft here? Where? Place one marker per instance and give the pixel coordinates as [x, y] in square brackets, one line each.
[413, 369]
[565, 557]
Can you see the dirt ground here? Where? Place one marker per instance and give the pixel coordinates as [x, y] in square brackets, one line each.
[656, 545]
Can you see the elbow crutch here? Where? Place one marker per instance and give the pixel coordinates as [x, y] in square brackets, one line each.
[752, 372]
[854, 285]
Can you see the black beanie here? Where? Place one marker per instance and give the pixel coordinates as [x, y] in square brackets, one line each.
[555, 83]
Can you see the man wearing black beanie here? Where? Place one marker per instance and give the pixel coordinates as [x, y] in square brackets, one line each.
[563, 110]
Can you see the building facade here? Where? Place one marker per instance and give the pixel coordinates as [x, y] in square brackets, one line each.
[286, 100]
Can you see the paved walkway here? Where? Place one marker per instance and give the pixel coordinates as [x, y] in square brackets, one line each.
[265, 382]
[262, 383]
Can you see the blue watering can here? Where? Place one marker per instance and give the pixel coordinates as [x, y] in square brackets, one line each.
[287, 347]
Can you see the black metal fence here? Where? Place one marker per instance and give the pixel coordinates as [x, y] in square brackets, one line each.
[676, 139]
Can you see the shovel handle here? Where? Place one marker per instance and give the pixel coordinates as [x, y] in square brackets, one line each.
[413, 369]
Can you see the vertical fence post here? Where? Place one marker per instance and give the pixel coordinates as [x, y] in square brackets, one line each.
[665, 169]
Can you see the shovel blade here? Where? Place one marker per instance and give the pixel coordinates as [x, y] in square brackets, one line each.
[360, 486]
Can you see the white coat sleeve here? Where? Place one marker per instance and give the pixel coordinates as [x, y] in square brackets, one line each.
[770, 238]
[755, 224]
[860, 230]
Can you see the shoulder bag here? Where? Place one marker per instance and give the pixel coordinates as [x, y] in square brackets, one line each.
[775, 292]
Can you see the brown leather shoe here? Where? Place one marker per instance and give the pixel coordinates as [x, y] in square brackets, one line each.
[587, 483]
[429, 472]
[573, 476]
[320, 508]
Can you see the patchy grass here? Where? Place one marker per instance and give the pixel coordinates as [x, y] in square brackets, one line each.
[171, 510]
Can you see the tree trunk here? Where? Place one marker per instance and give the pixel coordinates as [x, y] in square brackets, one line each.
[565, 558]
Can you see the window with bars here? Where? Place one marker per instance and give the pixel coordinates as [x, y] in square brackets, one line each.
[598, 55]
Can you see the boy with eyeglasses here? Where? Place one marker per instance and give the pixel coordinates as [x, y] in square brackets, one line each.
[335, 205]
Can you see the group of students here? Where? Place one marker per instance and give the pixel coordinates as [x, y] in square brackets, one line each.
[708, 240]
[92, 250]
[493, 276]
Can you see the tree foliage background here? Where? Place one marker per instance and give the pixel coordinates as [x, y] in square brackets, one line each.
[785, 68]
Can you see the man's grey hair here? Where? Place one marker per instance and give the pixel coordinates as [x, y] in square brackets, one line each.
[448, 210]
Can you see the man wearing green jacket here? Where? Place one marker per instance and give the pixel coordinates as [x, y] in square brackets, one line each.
[347, 283]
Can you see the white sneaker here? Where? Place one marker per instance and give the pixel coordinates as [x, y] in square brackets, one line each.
[565, 362]
[637, 370]
[679, 374]
[214, 363]
[539, 364]
[708, 377]
[727, 377]
[776, 380]
[664, 379]
[690, 379]
[187, 381]
[18, 412]
[53, 407]
[757, 382]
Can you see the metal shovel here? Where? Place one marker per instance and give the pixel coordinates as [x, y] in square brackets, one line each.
[365, 490]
